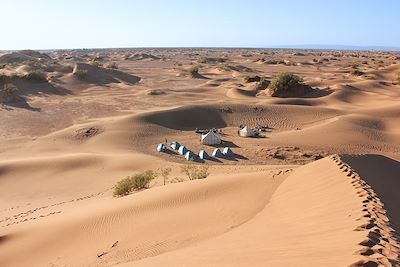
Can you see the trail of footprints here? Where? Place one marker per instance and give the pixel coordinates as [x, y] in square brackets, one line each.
[381, 246]
[28, 215]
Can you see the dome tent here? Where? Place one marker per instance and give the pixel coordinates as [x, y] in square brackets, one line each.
[210, 138]
[217, 153]
[182, 150]
[161, 147]
[189, 155]
[246, 132]
[203, 155]
[175, 145]
[228, 152]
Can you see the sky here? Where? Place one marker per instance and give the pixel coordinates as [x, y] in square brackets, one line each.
[62, 24]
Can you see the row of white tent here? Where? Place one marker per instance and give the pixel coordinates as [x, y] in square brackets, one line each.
[182, 150]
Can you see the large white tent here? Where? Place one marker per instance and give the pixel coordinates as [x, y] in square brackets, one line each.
[246, 132]
[210, 138]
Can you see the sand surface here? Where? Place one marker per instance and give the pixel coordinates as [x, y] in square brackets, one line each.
[319, 188]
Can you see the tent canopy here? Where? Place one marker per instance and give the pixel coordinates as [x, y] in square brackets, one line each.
[210, 138]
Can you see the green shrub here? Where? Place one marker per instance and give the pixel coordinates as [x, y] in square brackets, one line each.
[123, 187]
[194, 172]
[81, 74]
[284, 82]
[356, 72]
[112, 65]
[142, 181]
[194, 71]
[36, 76]
[136, 182]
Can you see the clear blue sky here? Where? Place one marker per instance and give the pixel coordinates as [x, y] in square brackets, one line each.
[48, 24]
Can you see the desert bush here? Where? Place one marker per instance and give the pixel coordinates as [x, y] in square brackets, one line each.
[9, 90]
[36, 76]
[81, 74]
[194, 172]
[112, 65]
[194, 71]
[123, 187]
[356, 72]
[142, 180]
[136, 182]
[284, 82]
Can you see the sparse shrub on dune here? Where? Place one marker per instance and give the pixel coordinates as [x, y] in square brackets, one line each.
[356, 72]
[165, 174]
[194, 71]
[9, 93]
[81, 74]
[134, 183]
[194, 172]
[36, 76]
[112, 65]
[287, 84]
[9, 89]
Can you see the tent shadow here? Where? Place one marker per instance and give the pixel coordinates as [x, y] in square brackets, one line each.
[171, 152]
[225, 143]
[240, 157]
[215, 160]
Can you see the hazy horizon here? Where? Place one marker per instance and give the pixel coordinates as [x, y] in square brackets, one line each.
[47, 25]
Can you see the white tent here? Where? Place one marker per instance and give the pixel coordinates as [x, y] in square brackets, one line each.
[182, 150]
[227, 152]
[246, 132]
[161, 148]
[175, 145]
[210, 138]
[203, 155]
[189, 155]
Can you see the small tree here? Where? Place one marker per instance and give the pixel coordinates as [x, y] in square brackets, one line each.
[165, 174]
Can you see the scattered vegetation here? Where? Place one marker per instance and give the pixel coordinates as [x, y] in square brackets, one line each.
[194, 172]
[81, 74]
[134, 183]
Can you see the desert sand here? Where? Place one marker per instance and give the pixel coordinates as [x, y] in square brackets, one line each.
[318, 188]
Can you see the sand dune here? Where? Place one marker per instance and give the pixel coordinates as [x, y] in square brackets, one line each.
[276, 203]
